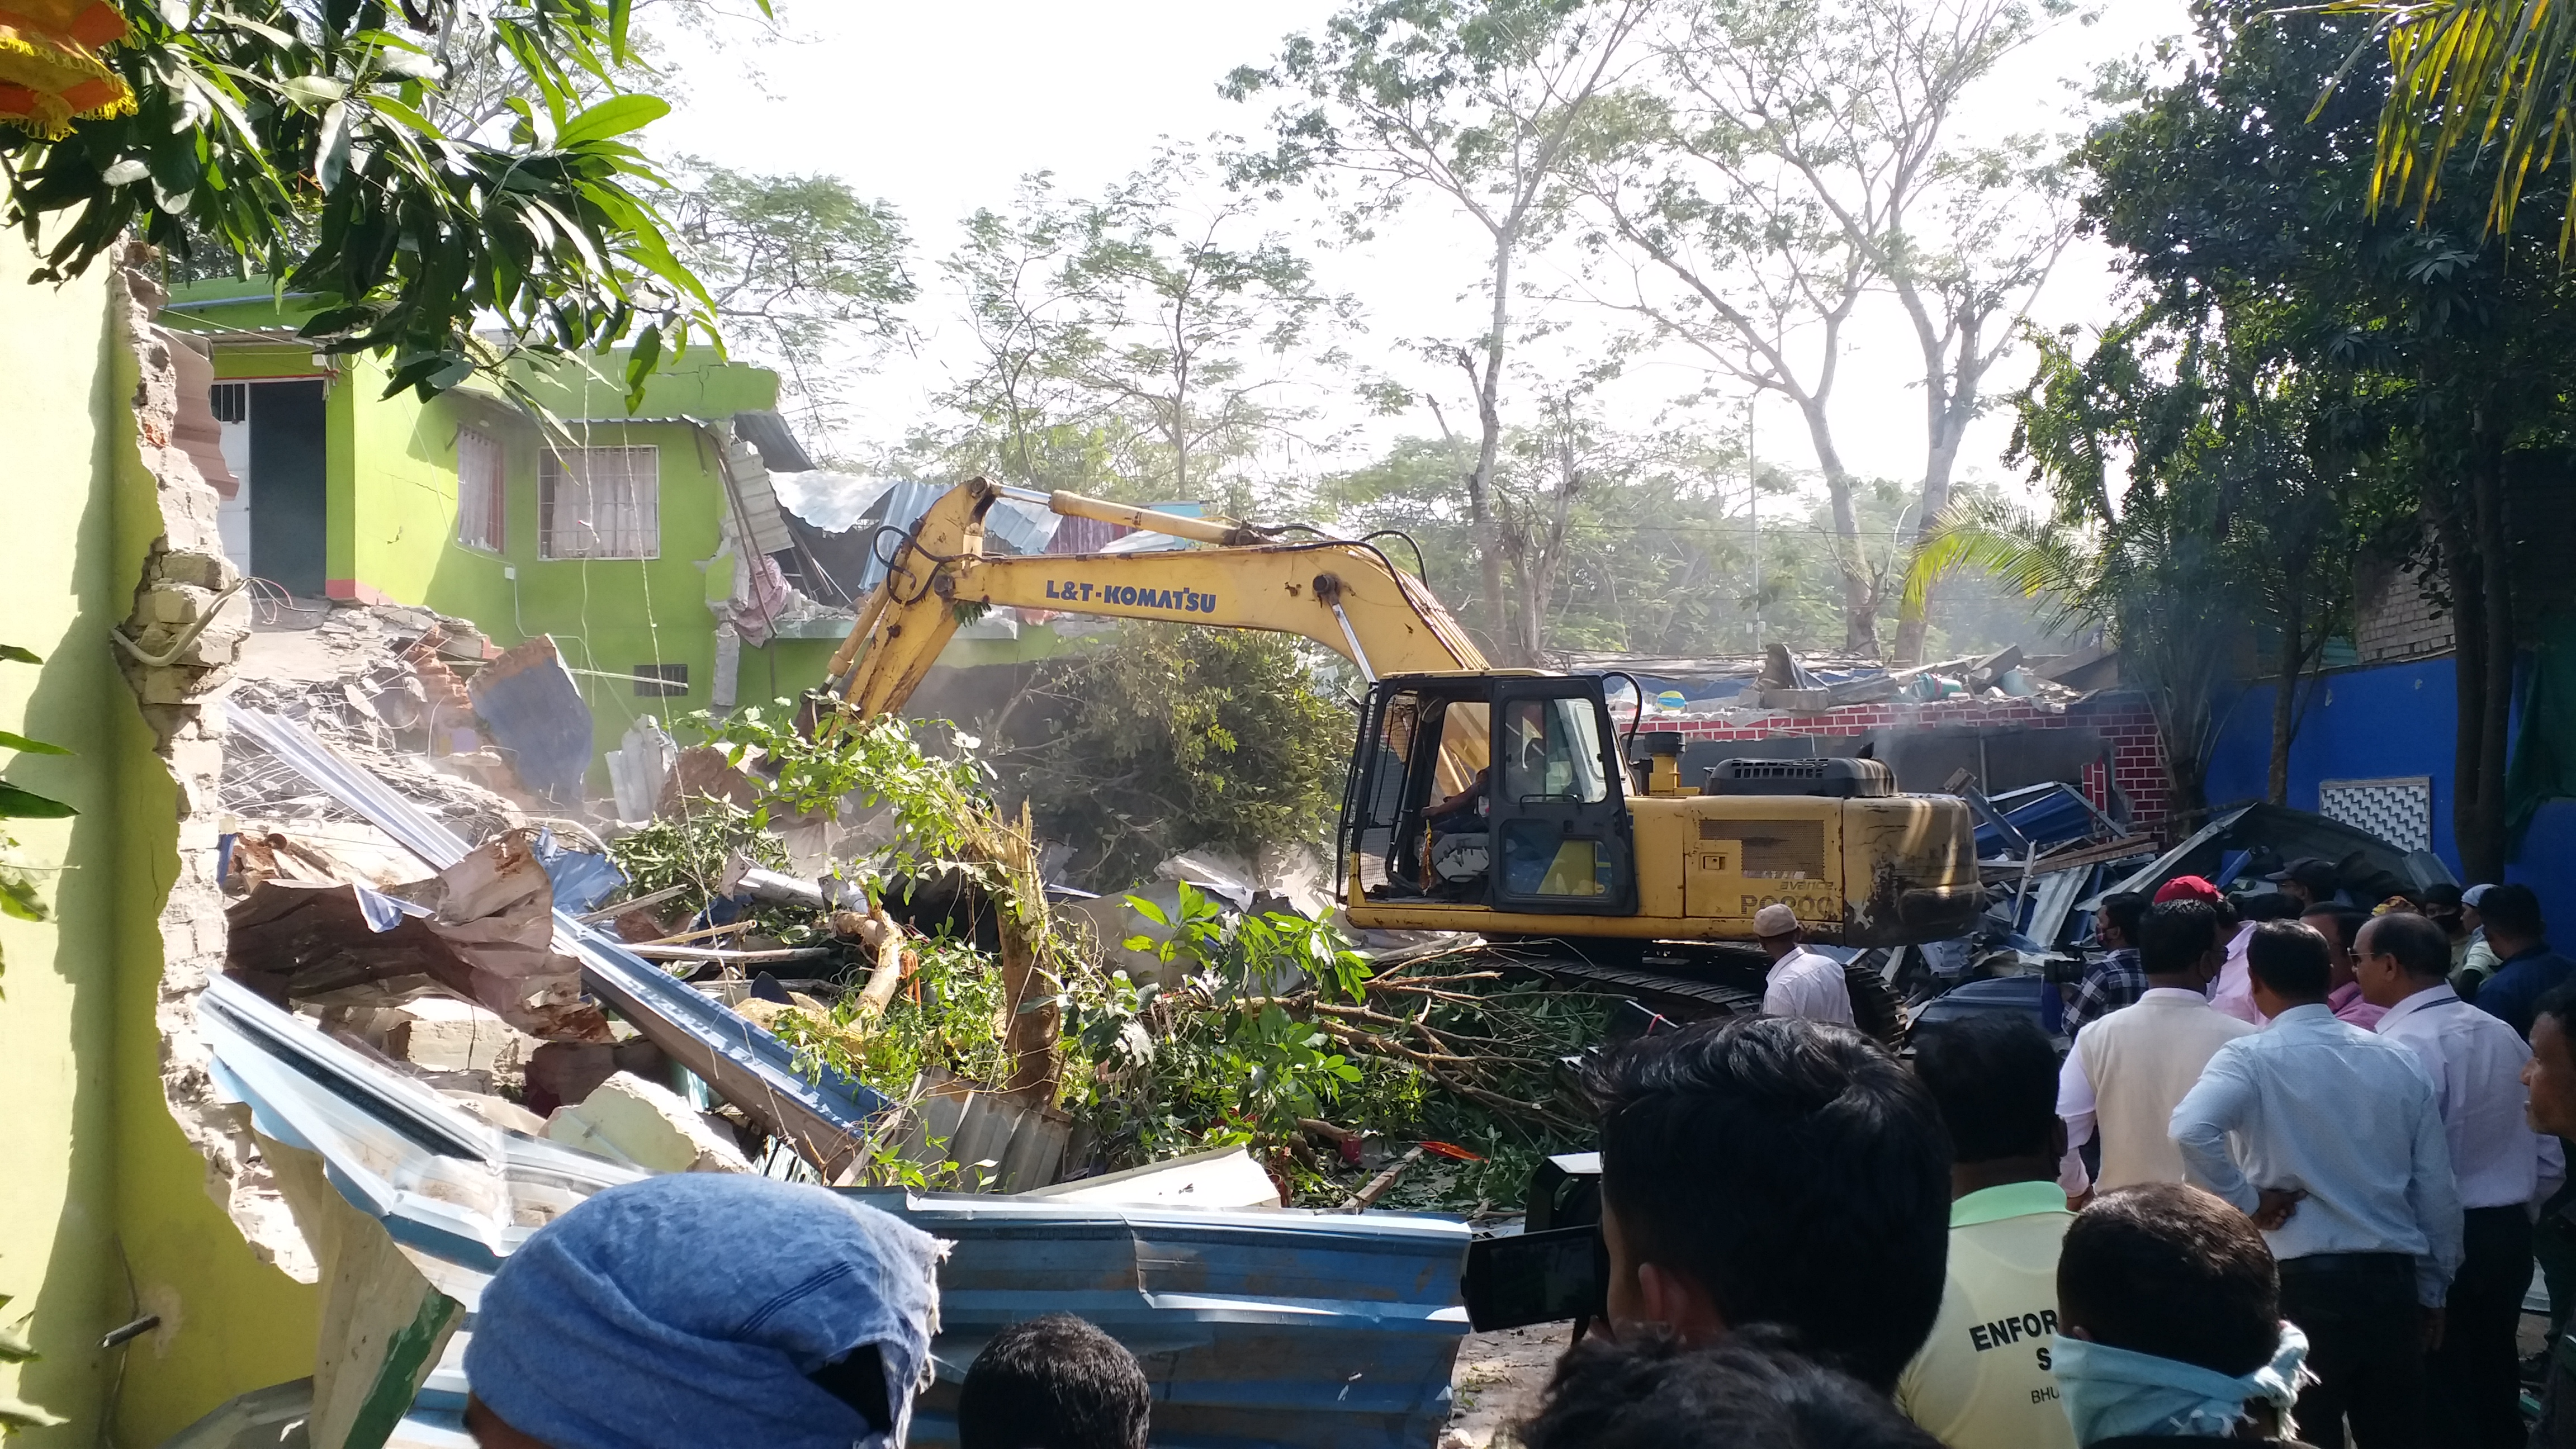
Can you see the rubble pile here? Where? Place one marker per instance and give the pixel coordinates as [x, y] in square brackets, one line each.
[380, 685]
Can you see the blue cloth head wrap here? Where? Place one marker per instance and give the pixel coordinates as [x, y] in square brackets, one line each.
[2113, 1393]
[690, 1309]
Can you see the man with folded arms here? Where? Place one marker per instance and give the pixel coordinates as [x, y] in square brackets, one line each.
[2329, 1138]
[2473, 1390]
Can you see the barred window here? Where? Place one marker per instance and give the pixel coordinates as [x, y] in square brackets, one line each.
[600, 503]
[481, 496]
[661, 681]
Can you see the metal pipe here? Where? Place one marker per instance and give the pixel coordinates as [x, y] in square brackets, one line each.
[705, 953]
[1203, 530]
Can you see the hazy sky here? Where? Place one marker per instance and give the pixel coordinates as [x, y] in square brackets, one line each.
[940, 109]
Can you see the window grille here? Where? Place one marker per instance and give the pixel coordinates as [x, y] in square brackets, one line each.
[600, 503]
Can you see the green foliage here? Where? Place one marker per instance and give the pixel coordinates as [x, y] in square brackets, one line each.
[2500, 71]
[1169, 738]
[694, 849]
[1222, 1059]
[1128, 345]
[806, 767]
[294, 141]
[1658, 548]
[947, 1018]
[2426, 350]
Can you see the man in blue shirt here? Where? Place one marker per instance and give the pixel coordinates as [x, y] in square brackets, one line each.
[2526, 969]
[2338, 1154]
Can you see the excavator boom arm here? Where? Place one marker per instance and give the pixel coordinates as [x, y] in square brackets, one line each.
[1344, 596]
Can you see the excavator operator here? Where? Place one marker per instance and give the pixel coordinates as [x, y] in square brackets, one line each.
[1460, 848]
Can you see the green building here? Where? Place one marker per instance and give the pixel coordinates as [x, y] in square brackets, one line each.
[615, 533]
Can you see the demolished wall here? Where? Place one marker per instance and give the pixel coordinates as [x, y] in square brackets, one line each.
[187, 628]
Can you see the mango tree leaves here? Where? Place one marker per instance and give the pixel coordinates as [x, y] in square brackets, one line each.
[300, 144]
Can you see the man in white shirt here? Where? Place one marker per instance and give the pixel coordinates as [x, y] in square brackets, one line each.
[2501, 1165]
[1802, 982]
[2328, 1137]
[2129, 1068]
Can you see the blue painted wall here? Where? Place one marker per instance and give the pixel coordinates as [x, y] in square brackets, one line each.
[2391, 719]
[2364, 724]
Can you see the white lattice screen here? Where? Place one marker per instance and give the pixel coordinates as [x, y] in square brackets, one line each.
[2399, 811]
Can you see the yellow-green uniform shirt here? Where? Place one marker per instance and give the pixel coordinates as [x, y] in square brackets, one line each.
[1982, 1379]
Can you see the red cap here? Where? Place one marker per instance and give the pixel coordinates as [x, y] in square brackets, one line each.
[2187, 888]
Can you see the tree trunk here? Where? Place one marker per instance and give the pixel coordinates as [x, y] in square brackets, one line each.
[1942, 461]
[2285, 695]
[1860, 597]
[2473, 548]
[1489, 445]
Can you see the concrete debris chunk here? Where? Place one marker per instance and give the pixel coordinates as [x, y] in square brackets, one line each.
[563, 1072]
[703, 771]
[627, 1119]
[383, 686]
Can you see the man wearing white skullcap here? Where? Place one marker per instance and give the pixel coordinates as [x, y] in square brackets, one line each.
[1802, 982]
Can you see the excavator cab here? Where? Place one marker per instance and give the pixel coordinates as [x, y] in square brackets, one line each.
[1501, 791]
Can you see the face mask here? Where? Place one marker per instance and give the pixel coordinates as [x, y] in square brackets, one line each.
[2112, 1393]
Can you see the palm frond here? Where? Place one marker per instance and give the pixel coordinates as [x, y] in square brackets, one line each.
[2497, 74]
[2030, 556]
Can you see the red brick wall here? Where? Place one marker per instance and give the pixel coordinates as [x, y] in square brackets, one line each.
[2123, 721]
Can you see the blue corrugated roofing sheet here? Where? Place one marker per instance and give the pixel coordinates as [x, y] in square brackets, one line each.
[445, 1183]
[2050, 814]
[1314, 1330]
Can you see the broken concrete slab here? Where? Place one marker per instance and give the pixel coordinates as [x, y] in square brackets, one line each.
[703, 772]
[640, 1123]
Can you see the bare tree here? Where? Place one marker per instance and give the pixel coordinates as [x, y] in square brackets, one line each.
[1800, 158]
[1476, 105]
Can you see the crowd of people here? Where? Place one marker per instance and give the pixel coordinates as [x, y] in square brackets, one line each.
[2286, 1187]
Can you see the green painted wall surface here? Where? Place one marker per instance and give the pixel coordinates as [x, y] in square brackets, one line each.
[231, 1321]
[699, 385]
[403, 485]
[100, 1180]
[611, 615]
[57, 1025]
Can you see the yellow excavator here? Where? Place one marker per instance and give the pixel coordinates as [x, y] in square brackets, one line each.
[1504, 802]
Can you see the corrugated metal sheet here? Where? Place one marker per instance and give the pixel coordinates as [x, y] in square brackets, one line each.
[1314, 1330]
[535, 712]
[768, 432]
[2049, 814]
[1021, 526]
[446, 1183]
